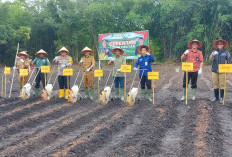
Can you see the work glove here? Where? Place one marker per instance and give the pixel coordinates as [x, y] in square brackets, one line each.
[214, 53]
[136, 68]
[14, 67]
[118, 70]
[56, 59]
[200, 71]
[21, 60]
[148, 53]
[186, 52]
[63, 65]
[112, 59]
[87, 70]
[81, 61]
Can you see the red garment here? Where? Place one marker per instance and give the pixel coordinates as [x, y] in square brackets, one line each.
[195, 58]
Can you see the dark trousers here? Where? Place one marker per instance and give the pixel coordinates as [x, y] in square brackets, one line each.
[191, 76]
[145, 81]
[40, 77]
[119, 81]
[63, 84]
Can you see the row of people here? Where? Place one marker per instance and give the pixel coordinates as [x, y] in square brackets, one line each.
[220, 55]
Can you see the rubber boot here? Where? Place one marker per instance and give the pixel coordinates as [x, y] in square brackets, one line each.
[142, 94]
[21, 93]
[37, 91]
[121, 94]
[193, 92]
[91, 93]
[116, 93]
[66, 93]
[222, 95]
[184, 95]
[216, 95]
[149, 94]
[86, 93]
[61, 93]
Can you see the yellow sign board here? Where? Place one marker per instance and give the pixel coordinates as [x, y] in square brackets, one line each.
[45, 69]
[23, 72]
[7, 70]
[67, 72]
[153, 75]
[186, 66]
[225, 68]
[98, 73]
[126, 68]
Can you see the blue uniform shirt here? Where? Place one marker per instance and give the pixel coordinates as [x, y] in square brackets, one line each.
[144, 63]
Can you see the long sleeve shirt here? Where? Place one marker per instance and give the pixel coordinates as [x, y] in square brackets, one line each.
[144, 63]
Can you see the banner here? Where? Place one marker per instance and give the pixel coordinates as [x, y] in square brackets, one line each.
[128, 41]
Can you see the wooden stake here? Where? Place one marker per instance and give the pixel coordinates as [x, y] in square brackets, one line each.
[5, 85]
[224, 91]
[98, 89]
[186, 87]
[125, 88]
[2, 86]
[153, 88]
[45, 80]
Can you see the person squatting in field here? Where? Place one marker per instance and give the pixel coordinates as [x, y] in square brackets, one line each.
[194, 56]
[220, 55]
[118, 77]
[64, 61]
[87, 64]
[41, 60]
[144, 63]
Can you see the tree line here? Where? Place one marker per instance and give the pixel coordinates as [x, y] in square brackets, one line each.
[51, 24]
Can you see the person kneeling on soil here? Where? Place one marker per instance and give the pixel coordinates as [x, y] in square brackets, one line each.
[219, 56]
[87, 63]
[41, 60]
[194, 56]
[64, 61]
[23, 63]
[144, 63]
[118, 76]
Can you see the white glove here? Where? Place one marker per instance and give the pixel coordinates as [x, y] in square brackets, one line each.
[118, 70]
[186, 52]
[56, 59]
[200, 71]
[14, 67]
[214, 53]
[148, 53]
[81, 61]
[63, 65]
[136, 69]
[21, 60]
[112, 59]
[87, 70]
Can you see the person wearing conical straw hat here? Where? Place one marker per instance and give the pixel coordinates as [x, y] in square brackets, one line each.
[64, 61]
[87, 64]
[118, 76]
[220, 55]
[23, 62]
[144, 63]
[40, 60]
[194, 56]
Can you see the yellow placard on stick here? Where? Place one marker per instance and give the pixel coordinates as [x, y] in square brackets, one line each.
[45, 69]
[187, 66]
[67, 72]
[98, 73]
[23, 72]
[153, 75]
[7, 70]
[225, 68]
[126, 68]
